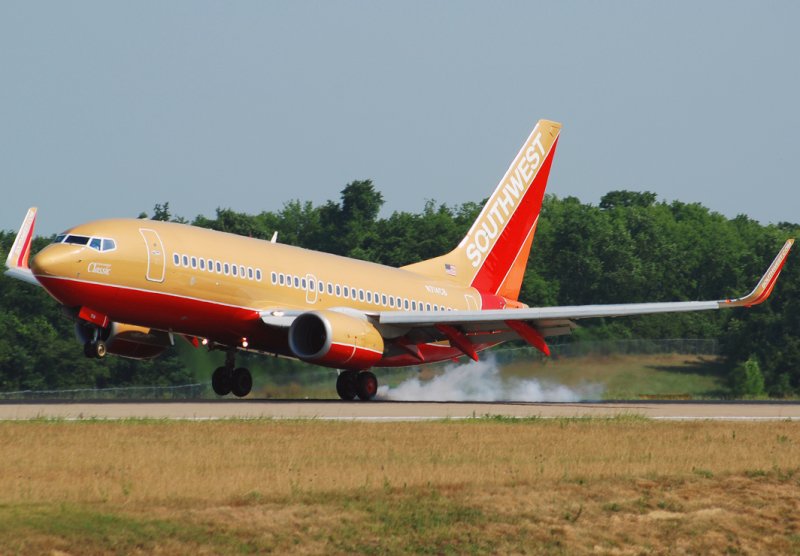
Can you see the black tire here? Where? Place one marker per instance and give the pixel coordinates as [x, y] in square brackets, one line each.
[221, 381]
[346, 385]
[241, 382]
[367, 386]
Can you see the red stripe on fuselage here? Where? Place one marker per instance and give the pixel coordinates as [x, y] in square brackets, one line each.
[195, 317]
[500, 258]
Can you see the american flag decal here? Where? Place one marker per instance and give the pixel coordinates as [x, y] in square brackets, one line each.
[450, 269]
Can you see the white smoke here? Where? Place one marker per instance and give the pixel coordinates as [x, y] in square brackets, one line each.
[481, 381]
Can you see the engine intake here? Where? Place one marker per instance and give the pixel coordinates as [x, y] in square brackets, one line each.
[335, 340]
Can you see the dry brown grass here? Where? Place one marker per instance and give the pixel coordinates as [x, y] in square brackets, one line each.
[620, 486]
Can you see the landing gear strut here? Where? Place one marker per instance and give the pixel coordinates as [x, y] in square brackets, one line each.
[350, 384]
[227, 379]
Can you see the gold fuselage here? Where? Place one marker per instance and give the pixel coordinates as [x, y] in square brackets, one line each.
[153, 277]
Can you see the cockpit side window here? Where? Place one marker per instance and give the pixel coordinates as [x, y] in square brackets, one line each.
[77, 240]
[109, 244]
[60, 238]
[95, 243]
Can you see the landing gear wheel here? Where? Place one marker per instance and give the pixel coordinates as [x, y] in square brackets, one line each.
[100, 349]
[221, 381]
[367, 385]
[95, 350]
[241, 382]
[346, 385]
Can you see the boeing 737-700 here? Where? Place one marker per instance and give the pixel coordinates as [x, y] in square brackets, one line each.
[132, 285]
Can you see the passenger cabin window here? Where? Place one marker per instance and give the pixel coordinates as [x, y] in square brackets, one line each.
[194, 262]
[185, 260]
[258, 274]
[296, 282]
[226, 269]
[330, 288]
[234, 270]
[210, 265]
[176, 259]
[338, 290]
[250, 272]
[405, 304]
[202, 264]
[346, 292]
[218, 266]
[273, 277]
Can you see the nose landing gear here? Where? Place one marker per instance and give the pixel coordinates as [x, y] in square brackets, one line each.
[95, 349]
[228, 379]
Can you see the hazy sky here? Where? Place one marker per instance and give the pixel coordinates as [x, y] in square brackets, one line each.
[107, 108]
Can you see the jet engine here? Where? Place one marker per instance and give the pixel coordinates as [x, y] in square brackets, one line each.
[127, 340]
[334, 339]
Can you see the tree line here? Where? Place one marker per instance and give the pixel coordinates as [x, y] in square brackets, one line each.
[630, 247]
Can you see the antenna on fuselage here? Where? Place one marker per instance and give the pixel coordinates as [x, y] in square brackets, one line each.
[274, 237]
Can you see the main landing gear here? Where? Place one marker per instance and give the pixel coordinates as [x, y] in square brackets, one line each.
[363, 384]
[227, 379]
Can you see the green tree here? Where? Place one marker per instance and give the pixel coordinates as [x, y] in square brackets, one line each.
[747, 380]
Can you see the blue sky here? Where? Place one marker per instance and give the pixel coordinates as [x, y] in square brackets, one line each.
[109, 107]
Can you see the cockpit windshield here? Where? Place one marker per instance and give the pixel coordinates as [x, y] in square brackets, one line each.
[96, 243]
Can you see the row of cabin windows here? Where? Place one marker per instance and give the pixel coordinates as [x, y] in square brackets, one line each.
[220, 267]
[356, 294]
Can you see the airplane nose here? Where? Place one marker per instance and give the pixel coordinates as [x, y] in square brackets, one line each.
[49, 261]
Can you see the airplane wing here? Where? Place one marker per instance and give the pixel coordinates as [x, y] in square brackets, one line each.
[465, 328]
[17, 260]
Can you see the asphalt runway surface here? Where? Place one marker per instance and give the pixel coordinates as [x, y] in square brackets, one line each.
[390, 410]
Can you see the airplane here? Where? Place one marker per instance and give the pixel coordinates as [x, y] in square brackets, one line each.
[132, 285]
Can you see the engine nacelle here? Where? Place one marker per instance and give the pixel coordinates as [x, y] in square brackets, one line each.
[128, 340]
[335, 340]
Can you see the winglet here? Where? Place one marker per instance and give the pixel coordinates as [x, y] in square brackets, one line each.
[17, 260]
[765, 286]
[18, 256]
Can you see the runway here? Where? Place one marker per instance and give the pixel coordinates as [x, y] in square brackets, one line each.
[391, 411]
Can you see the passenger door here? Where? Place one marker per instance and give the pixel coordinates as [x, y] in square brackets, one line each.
[156, 267]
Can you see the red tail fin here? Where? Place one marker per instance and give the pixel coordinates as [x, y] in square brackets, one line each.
[493, 255]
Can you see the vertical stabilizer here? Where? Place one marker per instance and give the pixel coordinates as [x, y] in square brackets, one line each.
[493, 255]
